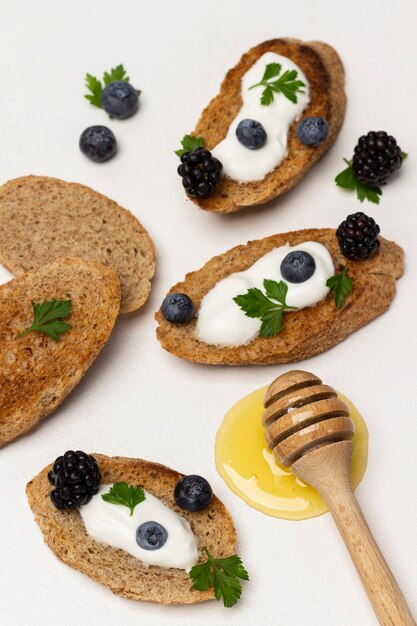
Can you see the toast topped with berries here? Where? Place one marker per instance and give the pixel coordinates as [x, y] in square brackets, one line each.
[323, 70]
[44, 218]
[361, 290]
[66, 534]
[38, 369]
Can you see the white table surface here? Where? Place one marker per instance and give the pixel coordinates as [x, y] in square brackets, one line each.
[138, 400]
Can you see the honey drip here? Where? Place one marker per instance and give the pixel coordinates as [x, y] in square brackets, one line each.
[253, 474]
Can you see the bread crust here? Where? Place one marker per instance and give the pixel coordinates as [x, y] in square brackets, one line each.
[305, 333]
[36, 372]
[65, 534]
[43, 218]
[324, 70]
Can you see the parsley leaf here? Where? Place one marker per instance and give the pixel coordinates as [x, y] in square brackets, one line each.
[267, 96]
[347, 180]
[115, 74]
[271, 323]
[276, 291]
[253, 302]
[342, 285]
[221, 574]
[48, 318]
[271, 70]
[95, 86]
[125, 495]
[285, 84]
[269, 308]
[190, 143]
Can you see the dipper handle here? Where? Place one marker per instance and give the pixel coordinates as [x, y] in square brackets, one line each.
[327, 470]
[308, 428]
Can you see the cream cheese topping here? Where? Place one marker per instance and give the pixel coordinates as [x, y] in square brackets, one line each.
[220, 320]
[112, 524]
[246, 165]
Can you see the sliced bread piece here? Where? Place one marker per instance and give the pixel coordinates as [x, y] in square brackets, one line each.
[37, 372]
[324, 71]
[304, 333]
[44, 218]
[65, 534]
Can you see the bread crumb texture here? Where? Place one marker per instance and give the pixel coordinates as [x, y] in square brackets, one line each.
[36, 372]
[43, 218]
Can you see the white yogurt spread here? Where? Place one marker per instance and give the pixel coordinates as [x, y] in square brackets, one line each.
[245, 165]
[112, 524]
[221, 321]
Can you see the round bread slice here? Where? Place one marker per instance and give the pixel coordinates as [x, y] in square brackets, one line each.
[304, 333]
[37, 372]
[324, 71]
[42, 219]
[65, 534]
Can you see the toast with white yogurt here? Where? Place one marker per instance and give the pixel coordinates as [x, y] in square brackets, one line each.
[324, 97]
[66, 533]
[316, 326]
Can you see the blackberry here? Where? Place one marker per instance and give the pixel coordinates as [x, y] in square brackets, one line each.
[200, 172]
[75, 477]
[376, 157]
[358, 237]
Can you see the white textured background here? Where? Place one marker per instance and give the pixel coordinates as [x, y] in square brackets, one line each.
[138, 400]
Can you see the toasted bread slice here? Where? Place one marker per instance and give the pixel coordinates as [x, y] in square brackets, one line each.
[304, 333]
[43, 218]
[65, 534]
[324, 71]
[36, 372]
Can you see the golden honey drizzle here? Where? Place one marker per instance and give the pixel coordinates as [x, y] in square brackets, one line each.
[252, 473]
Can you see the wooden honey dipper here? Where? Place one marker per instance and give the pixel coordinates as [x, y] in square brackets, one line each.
[308, 428]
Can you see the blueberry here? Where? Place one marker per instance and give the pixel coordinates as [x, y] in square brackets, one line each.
[177, 308]
[119, 99]
[98, 143]
[312, 131]
[193, 493]
[298, 266]
[251, 134]
[151, 536]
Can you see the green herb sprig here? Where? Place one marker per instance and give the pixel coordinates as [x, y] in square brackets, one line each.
[48, 318]
[269, 308]
[190, 143]
[222, 575]
[342, 285]
[347, 180]
[285, 84]
[95, 86]
[125, 495]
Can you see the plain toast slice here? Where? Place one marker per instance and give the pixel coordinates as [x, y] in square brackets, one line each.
[324, 71]
[304, 333]
[65, 534]
[36, 372]
[44, 218]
